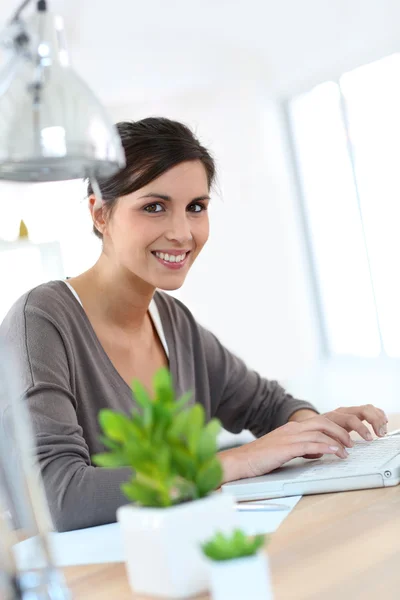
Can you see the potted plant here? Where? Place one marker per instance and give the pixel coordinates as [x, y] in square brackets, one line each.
[238, 567]
[173, 455]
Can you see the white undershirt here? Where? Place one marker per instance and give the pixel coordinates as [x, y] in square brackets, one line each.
[153, 312]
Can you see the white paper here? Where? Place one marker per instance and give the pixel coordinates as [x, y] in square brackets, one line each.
[103, 544]
[93, 545]
[253, 522]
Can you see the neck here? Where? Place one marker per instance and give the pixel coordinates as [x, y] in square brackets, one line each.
[114, 295]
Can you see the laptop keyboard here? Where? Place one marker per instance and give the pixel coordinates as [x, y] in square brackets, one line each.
[364, 457]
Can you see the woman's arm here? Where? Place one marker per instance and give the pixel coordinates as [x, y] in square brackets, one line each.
[241, 398]
[300, 415]
[309, 436]
[79, 494]
[287, 428]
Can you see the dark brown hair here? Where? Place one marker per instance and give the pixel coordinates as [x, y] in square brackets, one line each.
[152, 146]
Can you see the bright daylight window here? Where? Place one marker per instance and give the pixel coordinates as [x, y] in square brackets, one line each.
[346, 137]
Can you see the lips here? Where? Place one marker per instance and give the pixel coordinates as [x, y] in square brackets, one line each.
[172, 260]
[171, 257]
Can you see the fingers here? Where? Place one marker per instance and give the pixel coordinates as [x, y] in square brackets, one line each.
[356, 414]
[376, 417]
[289, 441]
[321, 438]
[312, 448]
[353, 423]
[312, 456]
[329, 427]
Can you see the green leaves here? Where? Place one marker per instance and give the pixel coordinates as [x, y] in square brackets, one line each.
[116, 426]
[194, 425]
[209, 477]
[144, 494]
[207, 442]
[171, 450]
[181, 403]
[163, 388]
[144, 401]
[238, 545]
[111, 459]
[184, 463]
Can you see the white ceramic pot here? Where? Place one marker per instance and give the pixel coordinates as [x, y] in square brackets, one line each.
[241, 578]
[162, 545]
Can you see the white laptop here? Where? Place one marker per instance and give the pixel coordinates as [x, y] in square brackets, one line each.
[369, 465]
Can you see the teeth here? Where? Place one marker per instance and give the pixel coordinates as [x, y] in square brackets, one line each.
[171, 258]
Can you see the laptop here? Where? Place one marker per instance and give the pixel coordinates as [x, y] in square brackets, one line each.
[369, 465]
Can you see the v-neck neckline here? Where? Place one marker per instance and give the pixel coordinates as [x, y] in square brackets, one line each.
[168, 334]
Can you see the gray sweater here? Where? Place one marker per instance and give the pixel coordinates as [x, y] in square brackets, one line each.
[67, 378]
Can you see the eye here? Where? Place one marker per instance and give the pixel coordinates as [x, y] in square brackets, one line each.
[156, 207]
[197, 207]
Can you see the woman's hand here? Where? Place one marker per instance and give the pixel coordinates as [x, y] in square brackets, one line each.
[310, 437]
[351, 419]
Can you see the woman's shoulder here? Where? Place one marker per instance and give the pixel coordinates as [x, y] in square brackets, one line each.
[176, 310]
[176, 315]
[52, 298]
[39, 317]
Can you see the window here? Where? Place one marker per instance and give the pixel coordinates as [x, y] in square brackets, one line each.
[346, 138]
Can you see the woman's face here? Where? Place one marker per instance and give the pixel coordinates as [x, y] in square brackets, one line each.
[157, 232]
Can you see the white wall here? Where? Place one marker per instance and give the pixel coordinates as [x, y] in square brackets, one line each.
[55, 211]
[251, 283]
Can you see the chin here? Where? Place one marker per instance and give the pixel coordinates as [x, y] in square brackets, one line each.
[170, 282]
[169, 287]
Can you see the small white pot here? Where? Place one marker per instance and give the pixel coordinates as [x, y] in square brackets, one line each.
[162, 545]
[241, 578]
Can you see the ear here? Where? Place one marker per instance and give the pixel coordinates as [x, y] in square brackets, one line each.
[98, 212]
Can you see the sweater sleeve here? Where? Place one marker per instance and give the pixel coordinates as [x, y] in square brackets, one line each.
[79, 494]
[240, 397]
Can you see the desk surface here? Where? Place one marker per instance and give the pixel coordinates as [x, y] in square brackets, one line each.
[332, 546]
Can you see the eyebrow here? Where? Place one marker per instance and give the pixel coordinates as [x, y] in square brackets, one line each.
[168, 198]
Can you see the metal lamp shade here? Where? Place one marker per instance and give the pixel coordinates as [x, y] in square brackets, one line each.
[52, 127]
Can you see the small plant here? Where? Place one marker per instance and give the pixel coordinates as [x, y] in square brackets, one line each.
[238, 545]
[170, 449]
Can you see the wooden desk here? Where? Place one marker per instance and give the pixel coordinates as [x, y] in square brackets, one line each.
[343, 546]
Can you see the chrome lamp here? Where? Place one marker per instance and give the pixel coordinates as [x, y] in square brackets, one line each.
[52, 127]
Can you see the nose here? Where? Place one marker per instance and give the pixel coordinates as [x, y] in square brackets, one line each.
[179, 229]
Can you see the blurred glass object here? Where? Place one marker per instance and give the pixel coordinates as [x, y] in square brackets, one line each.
[8, 571]
[23, 506]
[52, 127]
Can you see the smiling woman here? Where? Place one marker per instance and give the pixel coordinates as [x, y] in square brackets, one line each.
[155, 211]
[81, 342]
